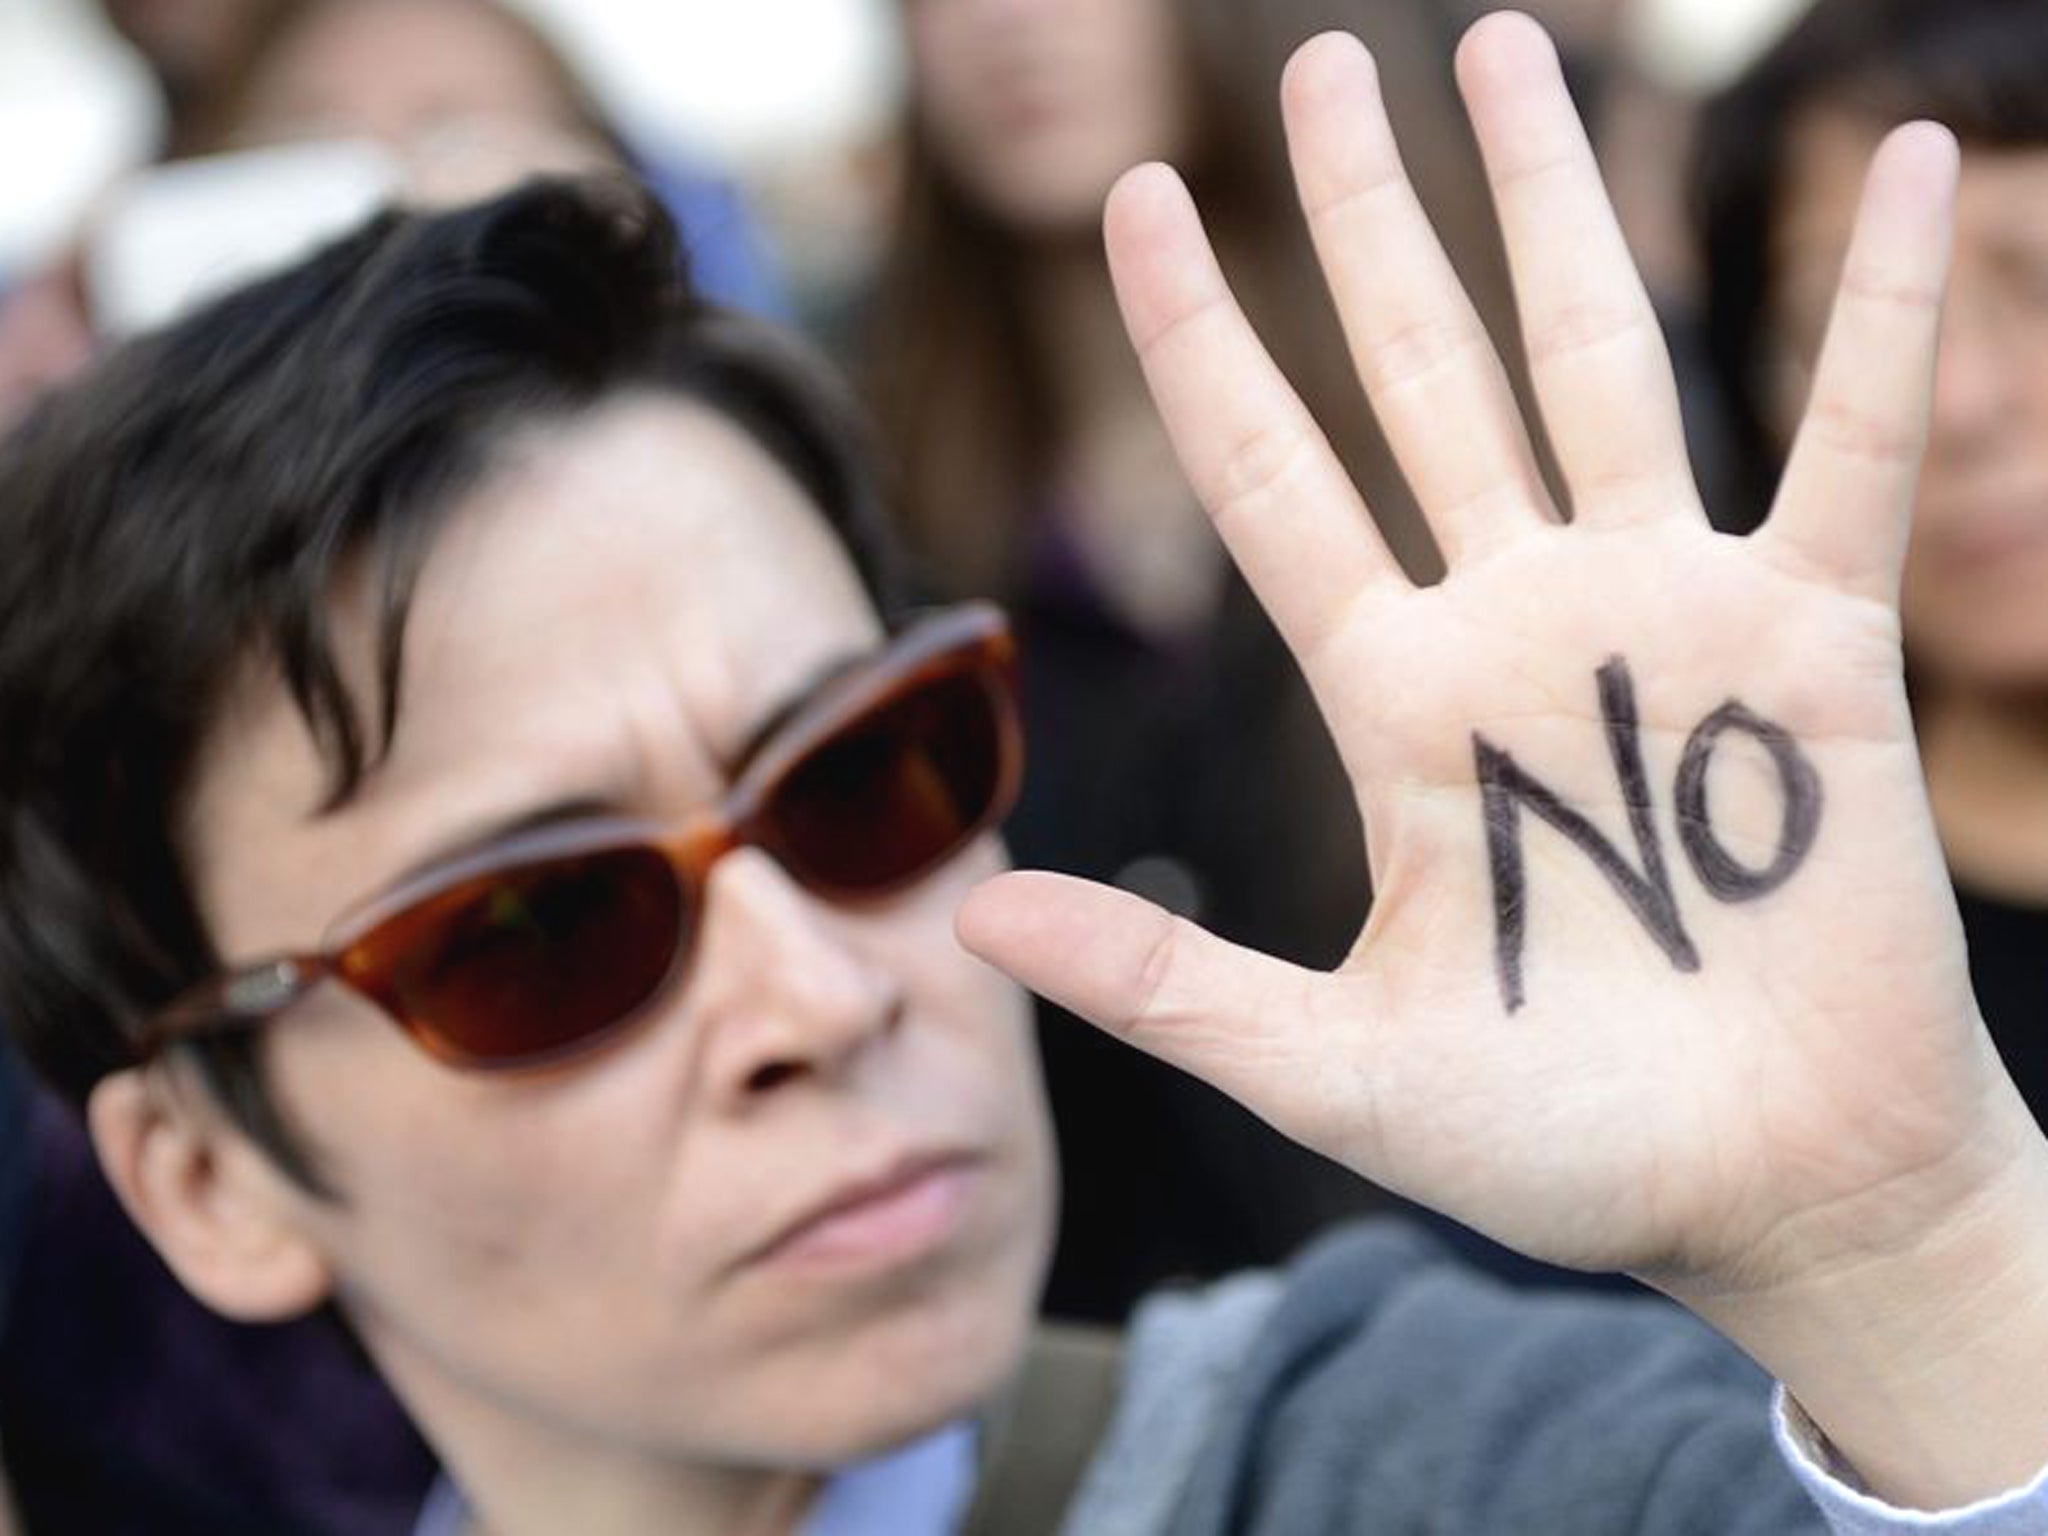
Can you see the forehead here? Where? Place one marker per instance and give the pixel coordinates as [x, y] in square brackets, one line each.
[655, 542]
[605, 619]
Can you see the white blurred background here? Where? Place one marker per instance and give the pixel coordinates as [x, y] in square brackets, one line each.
[760, 89]
[749, 88]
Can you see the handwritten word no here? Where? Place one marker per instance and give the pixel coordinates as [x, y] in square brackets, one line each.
[1506, 788]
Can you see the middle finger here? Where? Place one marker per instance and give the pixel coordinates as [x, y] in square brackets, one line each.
[1429, 368]
[1596, 355]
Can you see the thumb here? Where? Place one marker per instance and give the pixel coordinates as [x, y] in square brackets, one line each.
[1241, 1021]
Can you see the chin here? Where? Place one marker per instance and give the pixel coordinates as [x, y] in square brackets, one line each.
[937, 1361]
[946, 1352]
[1055, 200]
[931, 1345]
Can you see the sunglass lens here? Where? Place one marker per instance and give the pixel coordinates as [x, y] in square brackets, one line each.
[900, 791]
[525, 964]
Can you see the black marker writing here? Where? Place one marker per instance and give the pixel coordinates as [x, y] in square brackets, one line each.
[1504, 787]
[1716, 867]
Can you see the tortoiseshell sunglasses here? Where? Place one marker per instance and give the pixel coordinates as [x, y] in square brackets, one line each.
[548, 944]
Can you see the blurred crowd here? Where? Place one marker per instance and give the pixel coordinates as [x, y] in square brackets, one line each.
[1173, 748]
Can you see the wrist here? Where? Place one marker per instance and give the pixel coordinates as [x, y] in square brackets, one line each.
[1924, 1360]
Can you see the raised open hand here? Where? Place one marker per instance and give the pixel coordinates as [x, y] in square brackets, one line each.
[1662, 972]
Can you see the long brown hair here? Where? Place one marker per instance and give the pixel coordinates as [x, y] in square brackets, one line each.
[959, 385]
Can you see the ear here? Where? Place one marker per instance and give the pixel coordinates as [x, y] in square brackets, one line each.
[210, 1203]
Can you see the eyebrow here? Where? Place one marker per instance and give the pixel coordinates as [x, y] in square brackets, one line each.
[488, 834]
[770, 724]
[570, 808]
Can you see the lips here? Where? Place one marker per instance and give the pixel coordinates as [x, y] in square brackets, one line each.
[906, 1207]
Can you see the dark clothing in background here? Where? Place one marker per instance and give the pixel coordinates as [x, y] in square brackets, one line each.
[14, 1171]
[126, 1409]
[1198, 774]
[2009, 972]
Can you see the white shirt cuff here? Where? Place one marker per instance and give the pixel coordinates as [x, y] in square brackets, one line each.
[1852, 1511]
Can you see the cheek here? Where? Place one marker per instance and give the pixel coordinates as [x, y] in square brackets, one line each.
[948, 63]
[1985, 628]
[977, 1004]
[986, 1025]
[1143, 87]
[1978, 563]
[2033, 387]
[503, 1240]
[450, 1183]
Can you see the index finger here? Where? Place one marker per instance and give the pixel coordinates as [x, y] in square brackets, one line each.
[1279, 495]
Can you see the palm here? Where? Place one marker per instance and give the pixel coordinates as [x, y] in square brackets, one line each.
[1660, 1071]
[1705, 1085]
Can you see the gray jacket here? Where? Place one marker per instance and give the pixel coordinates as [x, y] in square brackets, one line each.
[1379, 1388]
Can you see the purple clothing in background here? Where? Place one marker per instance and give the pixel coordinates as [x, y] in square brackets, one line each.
[729, 261]
[127, 1408]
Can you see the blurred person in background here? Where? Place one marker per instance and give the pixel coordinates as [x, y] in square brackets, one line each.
[1778, 188]
[194, 50]
[120, 1399]
[469, 93]
[473, 81]
[476, 93]
[1174, 748]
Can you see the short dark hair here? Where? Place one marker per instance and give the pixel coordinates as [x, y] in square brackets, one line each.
[1980, 66]
[193, 500]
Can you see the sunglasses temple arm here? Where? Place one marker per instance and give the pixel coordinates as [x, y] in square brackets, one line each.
[226, 1004]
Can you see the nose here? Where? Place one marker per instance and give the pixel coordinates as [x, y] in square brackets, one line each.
[781, 993]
